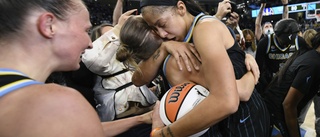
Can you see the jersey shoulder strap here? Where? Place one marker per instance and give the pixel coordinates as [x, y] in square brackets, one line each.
[11, 80]
[270, 38]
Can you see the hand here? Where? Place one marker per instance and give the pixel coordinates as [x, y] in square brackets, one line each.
[125, 16]
[156, 120]
[224, 8]
[146, 117]
[252, 66]
[233, 19]
[186, 51]
[284, 1]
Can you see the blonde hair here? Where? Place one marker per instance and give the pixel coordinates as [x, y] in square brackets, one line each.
[308, 35]
[250, 32]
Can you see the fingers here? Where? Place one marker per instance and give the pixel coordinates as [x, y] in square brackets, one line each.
[194, 57]
[177, 56]
[185, 58]
[156, 120]
[194, 51]
[256, 74]
[129, 12]
[125, 16]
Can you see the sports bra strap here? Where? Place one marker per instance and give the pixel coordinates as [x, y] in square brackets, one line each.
[11, 80]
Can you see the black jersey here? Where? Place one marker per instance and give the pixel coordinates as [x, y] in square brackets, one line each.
[271, 56]
[252, 118]
[304, 75]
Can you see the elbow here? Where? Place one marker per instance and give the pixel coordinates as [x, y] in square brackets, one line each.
[286, 105]
[137, 82]
[233, 105]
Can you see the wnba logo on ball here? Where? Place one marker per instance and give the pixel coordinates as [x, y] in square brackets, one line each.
[179, 100]
[176, 93]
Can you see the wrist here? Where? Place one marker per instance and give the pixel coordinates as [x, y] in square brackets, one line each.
[285, 4]
[156, 131]
[218, 16]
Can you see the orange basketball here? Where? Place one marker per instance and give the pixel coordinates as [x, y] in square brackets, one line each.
[179, 100]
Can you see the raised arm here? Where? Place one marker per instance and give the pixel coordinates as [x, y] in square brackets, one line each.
[258, 27]
[98, 58]
[117, 12]
[224, 7]
[285, 14]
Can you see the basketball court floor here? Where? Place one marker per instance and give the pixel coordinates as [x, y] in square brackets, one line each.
[308, 124]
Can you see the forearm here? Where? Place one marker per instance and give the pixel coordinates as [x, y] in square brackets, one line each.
[245, 86]
[285, 14]
[291, 121]
[258, 29]
[149, 68]
[117, 12]
[116, 127]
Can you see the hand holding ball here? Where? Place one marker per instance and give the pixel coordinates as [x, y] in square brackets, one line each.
[179, 100]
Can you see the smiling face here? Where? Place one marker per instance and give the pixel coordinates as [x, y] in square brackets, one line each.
[71, 38]
[168, 22]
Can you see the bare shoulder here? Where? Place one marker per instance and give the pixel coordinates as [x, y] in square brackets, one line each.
[213, 31]
[210, 23]
[51, 110]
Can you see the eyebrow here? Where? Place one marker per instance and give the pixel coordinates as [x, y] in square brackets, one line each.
[157, 22]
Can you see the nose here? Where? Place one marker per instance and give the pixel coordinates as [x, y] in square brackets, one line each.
[90, 46]
[162, 33]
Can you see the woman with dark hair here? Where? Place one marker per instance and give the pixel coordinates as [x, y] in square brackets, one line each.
[293, 87]
[222, 62]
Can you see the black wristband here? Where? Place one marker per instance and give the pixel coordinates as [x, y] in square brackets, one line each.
[285, 4]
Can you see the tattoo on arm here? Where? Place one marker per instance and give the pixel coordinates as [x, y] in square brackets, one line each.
[169, 131]
[156, 55]
[162, 134]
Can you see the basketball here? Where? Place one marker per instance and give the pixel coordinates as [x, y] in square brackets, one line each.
[179, 100]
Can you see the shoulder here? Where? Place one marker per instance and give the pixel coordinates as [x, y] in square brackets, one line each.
[49, 107]
[207, 23]
[211, 27]
[264, 41]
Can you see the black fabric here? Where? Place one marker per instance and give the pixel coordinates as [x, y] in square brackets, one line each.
[114, 74]
[6, 79]
[144, 3]
[303, 74]
[271, 59]
[286, 26]
[124, 86]
[82, 80]
[252, 118]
